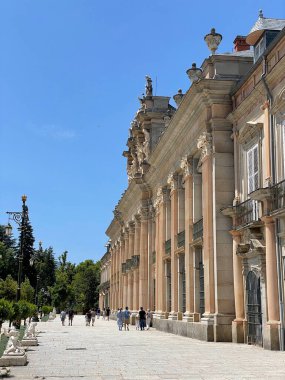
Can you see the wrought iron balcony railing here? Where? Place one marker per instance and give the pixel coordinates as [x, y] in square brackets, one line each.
[181, 239]
[278, 196]
[246, 212]
[198, 229]
[168, 247]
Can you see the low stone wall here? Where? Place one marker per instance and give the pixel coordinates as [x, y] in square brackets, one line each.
[195, 330]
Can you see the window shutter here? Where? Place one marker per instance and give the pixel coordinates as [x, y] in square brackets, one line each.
[252, 168]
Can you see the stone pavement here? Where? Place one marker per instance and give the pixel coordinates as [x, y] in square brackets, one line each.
[103, 352]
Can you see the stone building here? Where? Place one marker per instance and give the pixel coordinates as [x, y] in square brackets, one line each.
[197, 236]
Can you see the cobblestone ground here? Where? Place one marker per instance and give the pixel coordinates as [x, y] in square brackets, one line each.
[103, 352]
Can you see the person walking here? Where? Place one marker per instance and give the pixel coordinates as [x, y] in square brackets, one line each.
[142, 315]
[148, 319]
[108, 311]
[104, 314]
[93, 316]
[98, 313]
[127, 315]
[88, 317]
[62, 317]
[120, 319]
[70, 317]
[137, 321]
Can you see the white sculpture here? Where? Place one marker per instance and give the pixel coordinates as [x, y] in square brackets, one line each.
[13, 345]
[31, 331]
[146, 143]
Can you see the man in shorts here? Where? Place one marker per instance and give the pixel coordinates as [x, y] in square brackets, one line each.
[127, 315]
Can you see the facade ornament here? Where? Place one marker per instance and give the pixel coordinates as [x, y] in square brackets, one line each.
[148, 86]
[213, 40]
[194, 73]
[146, 144]
[30, 331]
[186, 164]
[178, 97]
[172, 181]
[205, 144]
[159, 197]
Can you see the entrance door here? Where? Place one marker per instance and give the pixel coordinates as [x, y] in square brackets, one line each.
[254, 316]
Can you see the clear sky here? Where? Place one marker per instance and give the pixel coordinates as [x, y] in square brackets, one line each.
[70, 75]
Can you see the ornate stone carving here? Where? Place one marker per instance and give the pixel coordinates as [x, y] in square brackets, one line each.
[159, 197]
[186, 165]
[148, 86]
[205, 144]
[30, 332]
[172, 181]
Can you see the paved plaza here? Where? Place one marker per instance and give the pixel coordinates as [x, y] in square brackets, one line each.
[103, 352]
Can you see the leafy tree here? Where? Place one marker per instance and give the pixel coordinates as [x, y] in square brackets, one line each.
[8, 255]
[46, 267]
[27, 291]
[8, 288]
[62, 293]
[6, 311]
[85, 284]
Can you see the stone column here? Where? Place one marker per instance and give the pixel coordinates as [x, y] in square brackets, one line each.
[238, 324]
[111, 278]
[150, 258]
[131, 254]
[143, 273]
[173, 183]
[160, 251]
[271, 332]
[204, 143]
[136, 271]
[126, 255]
[187, 167]
[121, 276]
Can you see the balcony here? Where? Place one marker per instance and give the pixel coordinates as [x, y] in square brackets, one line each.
[129, 265]
[168, 247]
[278, 196]
[135, 261]
[124, 269]
[198, 229]
[181, 239]
[246, 213]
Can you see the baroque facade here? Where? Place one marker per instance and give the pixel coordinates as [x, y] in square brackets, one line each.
[198, 236]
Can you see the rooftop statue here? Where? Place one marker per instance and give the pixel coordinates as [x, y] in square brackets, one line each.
[148, 86]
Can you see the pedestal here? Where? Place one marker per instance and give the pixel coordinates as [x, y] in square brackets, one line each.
[173, 316]
[15, 359]
[238, 331]
[29, 342]
[271, 336]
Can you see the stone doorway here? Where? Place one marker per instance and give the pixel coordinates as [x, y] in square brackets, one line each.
[254, 314]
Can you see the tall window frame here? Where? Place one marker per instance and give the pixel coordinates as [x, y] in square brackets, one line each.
[253, 168]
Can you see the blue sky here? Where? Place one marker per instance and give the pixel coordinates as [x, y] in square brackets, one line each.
[70, 75]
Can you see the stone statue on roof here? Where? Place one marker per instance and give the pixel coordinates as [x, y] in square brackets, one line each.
[148, 86]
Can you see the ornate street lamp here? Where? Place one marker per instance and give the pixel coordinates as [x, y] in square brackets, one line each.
[213, 40]
[21, 219]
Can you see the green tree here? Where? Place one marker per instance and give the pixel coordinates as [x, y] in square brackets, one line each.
[8, 288]
[62, 293]
[28, 252]
[27, 291]
[46, 267]
[8, 255]
[6, 311]
[85, 284]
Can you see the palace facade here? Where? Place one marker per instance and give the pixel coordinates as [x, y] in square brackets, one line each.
[198, 236]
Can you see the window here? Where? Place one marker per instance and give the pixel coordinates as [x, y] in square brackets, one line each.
[252, 169]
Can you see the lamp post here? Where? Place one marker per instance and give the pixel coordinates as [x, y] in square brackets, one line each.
[20, 218]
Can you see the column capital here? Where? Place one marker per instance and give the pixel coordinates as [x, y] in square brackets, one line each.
[161, 195]
[144, 213]
[186, 164]
[267, 220]
[172, 181]
[131, 226]
[204, 143]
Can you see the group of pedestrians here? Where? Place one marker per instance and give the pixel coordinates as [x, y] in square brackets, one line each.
[64, 314]
[91, 314]
[143, 319]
